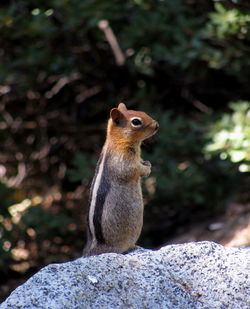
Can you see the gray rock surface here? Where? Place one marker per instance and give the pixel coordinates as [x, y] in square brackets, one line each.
[192, 275]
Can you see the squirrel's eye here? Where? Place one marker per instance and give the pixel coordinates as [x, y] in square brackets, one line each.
[136, 122]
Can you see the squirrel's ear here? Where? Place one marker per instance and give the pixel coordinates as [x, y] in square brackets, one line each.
[116, 115]
[122, 107]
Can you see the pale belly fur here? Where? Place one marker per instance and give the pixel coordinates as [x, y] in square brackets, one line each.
[122, 216]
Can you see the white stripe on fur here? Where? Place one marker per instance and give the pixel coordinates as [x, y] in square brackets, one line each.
[94, 196]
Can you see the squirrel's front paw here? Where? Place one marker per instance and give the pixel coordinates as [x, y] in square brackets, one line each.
[146, 163]
[145, 168]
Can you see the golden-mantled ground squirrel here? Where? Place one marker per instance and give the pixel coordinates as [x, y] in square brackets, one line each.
[116, 206]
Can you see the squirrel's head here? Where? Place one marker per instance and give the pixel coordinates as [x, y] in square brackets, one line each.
[130, 125]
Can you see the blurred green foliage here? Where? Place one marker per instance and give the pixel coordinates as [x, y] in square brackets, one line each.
[183, 171]
[185, 61]
[5, 198]
[186, 183]
[231, 136]
[63, 38]
[228, 30]
[82, 168]
[32, 228]
[37, 218]
[228, 22]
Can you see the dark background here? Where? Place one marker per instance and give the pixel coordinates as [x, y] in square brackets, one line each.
[185, 62]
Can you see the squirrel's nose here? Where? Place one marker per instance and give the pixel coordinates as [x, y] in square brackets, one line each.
[156, 125]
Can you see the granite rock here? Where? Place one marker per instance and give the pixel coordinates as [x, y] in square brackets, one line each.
[191, 275]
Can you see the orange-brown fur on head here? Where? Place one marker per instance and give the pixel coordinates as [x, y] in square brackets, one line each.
[123, 135]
